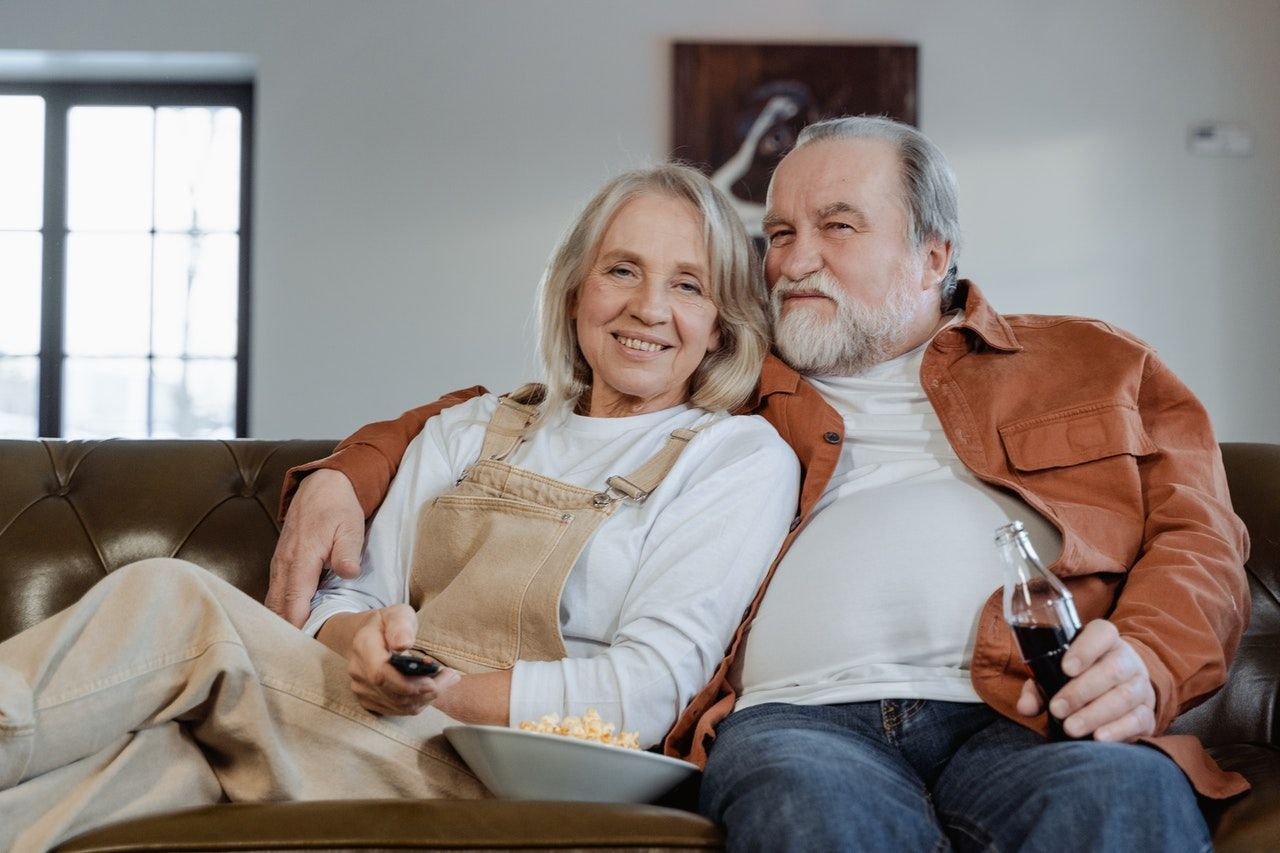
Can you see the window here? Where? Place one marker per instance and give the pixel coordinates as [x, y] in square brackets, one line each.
[124, 272]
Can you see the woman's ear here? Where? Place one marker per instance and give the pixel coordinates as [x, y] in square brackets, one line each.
[713, 342]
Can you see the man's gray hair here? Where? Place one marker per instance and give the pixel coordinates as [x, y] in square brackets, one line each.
[929, 185]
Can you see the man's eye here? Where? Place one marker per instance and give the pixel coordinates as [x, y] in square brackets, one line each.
[777, 238]
[839, 226]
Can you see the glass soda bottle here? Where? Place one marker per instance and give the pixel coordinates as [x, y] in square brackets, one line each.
[1041, 613]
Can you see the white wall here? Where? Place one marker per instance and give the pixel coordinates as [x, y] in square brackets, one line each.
[417, 159]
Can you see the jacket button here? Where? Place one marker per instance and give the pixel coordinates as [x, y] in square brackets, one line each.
[831, 437]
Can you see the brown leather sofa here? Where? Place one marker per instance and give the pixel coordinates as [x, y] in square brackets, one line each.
[71, 511]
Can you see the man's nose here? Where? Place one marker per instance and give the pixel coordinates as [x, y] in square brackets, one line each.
[651, 303]
[797, 260]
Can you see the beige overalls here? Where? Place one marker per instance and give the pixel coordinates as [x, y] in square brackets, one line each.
[166, 687]
[493, 554]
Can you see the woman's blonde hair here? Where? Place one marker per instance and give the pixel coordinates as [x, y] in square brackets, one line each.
[725, 378]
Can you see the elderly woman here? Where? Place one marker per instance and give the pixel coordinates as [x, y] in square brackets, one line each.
[587, 543]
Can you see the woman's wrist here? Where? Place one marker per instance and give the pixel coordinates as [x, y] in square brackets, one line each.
[482, 699]
[338, 630]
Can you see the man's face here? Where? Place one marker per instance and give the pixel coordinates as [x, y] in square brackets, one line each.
[848, 288]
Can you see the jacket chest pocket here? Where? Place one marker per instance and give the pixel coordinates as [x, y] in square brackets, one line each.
[1084, 463]
[1076, 437]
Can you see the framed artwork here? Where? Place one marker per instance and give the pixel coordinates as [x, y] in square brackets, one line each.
[738, 107]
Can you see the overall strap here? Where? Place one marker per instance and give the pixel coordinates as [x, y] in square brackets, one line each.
[637, 485]
[506, 428]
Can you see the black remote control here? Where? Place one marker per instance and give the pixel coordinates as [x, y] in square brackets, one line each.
[412, 663]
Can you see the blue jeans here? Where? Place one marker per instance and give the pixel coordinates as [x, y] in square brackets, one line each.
[910, 774]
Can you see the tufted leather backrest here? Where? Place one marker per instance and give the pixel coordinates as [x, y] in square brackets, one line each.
[71, 511]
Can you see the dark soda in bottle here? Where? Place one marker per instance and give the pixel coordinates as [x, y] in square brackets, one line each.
[1041, 613]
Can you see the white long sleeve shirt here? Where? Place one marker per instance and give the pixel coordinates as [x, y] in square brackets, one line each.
[650, 605]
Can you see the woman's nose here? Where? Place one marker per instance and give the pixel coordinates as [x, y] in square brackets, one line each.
[650, 303]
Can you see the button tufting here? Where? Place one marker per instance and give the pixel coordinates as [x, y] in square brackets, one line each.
[63, 491]
[831, 437]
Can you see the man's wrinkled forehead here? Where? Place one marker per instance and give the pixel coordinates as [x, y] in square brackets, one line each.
[857, 157]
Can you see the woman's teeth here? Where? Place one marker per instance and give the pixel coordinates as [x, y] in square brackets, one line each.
[644, 346]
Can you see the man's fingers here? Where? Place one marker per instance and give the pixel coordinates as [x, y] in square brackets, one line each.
[1140, 722]
[345, 556]
[1029, 704]
[1095, 640]
[1111, 707]
[294, 606]
[294, 578]
[1118, 666]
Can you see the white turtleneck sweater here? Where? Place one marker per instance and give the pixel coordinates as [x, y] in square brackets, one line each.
[879, 595]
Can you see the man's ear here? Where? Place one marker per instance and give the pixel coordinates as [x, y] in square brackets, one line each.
[937, 260]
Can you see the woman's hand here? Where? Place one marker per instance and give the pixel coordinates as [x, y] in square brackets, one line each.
[375, 682]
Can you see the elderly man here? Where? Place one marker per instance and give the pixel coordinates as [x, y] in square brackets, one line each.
[878, 700]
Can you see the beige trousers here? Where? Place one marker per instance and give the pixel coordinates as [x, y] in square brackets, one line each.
[166, 687]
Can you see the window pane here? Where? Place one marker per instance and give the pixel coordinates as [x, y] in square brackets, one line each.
[196, 295]
[21, 161]
[109, 168]
[108, 294]
[105, 398]
[195, 398]
[197, 169]
[19, 394]
[19, 293]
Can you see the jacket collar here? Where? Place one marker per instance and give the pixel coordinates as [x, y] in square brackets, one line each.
[983, 320]
[777, 377]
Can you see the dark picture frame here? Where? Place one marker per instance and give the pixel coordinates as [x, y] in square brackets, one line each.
[737, 107]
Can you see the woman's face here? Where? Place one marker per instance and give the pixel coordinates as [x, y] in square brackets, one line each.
[644, 315]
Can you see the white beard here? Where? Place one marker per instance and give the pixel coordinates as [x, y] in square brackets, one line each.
[858, 337]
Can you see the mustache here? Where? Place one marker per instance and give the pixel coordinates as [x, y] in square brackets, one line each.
[819, 282]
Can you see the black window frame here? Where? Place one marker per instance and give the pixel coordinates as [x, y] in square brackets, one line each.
[59, 97]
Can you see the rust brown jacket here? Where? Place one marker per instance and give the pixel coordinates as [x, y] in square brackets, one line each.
[1091, 429]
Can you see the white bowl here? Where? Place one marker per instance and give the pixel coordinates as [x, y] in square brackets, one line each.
[520, 765]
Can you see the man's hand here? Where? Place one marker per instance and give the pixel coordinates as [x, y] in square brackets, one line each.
[375, 682]
[1109, 695]
[324, 526]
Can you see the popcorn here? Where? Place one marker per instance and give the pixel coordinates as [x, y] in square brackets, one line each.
[587, 727]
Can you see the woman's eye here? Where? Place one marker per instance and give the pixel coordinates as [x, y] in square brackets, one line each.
[690, 287]
[622, 272]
